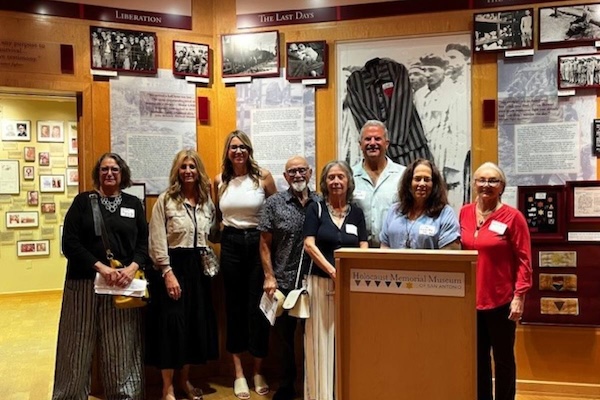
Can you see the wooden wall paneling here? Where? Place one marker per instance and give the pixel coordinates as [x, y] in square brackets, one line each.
[484, 85]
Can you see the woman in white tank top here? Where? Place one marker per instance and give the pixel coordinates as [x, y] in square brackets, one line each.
[241, 189]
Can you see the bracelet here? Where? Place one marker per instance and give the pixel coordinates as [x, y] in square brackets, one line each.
[166, 271]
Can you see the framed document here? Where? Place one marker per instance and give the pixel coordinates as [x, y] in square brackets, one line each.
[9, 177]
[584, 201]
[543, 208]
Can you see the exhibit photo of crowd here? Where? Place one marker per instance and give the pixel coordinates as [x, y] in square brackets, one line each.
[123, 50]
[580, 71]
[190, 59]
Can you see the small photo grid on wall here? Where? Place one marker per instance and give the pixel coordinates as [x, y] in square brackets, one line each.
[50, 131]
[15, 130]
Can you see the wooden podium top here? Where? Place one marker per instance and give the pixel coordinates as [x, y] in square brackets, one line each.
[393, 254]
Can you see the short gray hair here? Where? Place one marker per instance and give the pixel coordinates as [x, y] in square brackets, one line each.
[377, 123]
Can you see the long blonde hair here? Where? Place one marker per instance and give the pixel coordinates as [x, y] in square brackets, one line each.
[202, 183]
[227, 173]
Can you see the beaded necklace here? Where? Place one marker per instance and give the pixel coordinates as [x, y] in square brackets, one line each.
[111, 203]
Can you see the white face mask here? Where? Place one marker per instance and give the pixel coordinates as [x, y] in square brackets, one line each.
[299, 186]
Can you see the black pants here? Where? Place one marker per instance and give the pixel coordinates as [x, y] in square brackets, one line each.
[247, 327]
[285, 327]
[497, 333]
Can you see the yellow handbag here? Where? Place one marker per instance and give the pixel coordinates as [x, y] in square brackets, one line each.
[120, 301]
[130, 301]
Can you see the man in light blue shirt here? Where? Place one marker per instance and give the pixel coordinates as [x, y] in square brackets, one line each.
[376, 178]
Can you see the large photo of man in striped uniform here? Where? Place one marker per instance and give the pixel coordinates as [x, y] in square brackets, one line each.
[420, 89]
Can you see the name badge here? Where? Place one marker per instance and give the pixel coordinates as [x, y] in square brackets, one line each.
[427, 230]
[498, 227]
[351, 229]
[360, 195]
[127, 212]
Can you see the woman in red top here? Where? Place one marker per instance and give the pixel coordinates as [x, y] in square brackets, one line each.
[500, 234]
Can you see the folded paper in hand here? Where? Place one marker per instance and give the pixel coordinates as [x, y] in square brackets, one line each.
[137, 287]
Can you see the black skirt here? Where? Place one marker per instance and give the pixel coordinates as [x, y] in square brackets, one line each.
[184, 331]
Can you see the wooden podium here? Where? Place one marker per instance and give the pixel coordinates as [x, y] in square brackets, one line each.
[405, 324]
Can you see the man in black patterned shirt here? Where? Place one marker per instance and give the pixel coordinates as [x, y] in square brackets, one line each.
[281, 248]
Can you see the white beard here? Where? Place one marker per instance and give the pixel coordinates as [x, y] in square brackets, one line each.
[299, 186]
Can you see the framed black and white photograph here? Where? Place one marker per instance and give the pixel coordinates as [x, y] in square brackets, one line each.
[191, 59]
[52, 183]
[50, 131]
[22, 219]
[72, 176]
[15, 130]
[28, 172]
[572, 23]
[138, 190]
[579, 72]
[29, 153]
[123, 50]
[72, 137]
[251, 54]
[9, 177]
[306, 60]
[33, 248]
[436, 67]
[504, 30]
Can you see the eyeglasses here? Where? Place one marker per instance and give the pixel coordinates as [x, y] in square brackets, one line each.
[493, 182]
[114, 170]
[293, 171]
[241, 147]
